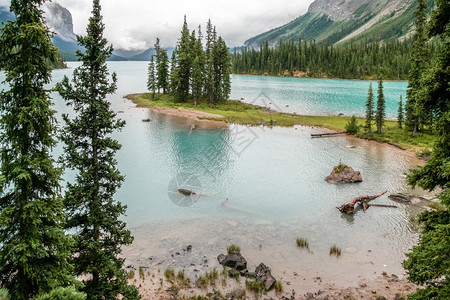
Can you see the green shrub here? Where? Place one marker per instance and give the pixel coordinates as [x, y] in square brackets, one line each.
[352, 126]
[4, 294]
[60, 293]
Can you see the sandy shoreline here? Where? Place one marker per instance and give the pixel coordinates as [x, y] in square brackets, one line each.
[165, 245]
[195, 118]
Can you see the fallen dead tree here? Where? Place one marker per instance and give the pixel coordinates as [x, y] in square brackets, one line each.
[349, 208]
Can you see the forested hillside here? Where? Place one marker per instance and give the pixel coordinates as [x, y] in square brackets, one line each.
[356, 60]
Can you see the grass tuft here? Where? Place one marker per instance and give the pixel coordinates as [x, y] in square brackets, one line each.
[302, 243]
[233, 249]
[278, 287]
[169, 273]
[335, 250]
[255, 286]
[141, 273]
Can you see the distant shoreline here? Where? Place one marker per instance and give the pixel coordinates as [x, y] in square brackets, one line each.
[330, 78]
[203, 116]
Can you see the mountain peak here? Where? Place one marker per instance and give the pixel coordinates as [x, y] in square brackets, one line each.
[59, 19]
[335, 21]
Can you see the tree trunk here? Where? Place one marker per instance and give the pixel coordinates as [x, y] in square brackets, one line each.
[349, 208]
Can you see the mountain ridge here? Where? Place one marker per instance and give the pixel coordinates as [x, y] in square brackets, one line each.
[337, 21]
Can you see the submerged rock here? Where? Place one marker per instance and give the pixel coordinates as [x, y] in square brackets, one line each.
[343, 174]
[406, 198]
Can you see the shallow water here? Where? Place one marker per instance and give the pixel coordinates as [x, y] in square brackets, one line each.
[260, 174]
[310, 96]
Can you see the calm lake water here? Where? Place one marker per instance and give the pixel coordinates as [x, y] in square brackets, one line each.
[271, 174]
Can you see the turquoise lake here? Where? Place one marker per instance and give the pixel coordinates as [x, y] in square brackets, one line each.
[260, 173]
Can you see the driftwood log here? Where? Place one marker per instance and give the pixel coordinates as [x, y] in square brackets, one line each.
[349, 208]
[186, 192]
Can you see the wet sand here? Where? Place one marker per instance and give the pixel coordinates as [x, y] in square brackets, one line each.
[193, 246]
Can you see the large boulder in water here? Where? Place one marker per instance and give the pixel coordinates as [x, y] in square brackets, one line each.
[343, 174]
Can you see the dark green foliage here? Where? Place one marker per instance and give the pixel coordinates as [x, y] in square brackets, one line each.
[151, 80]
[437, 79]
[209, 67]
[198, 67]
[92, 211]
[414, 103]
[369, 109]
[366, 59]
[352, 126]
[34, 248]
[436, 173]
[202, 73]
[381, 107]
[400, 116]
[162, 68]
[221, 71]
[181, 81]
[429, 262]
[68, 293]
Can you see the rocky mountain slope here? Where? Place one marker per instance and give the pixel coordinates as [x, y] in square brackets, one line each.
[336, 21]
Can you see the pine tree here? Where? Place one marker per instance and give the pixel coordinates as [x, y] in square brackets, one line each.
[369, 109]
[162, 67]
[198, 68]
[92, 211]
[381, 105]
[414, 106]
[437, 80]
[34, 248]
[220, 58]
[428, 263]
[173, 71]
[184, 65]
[209, 63]
[151, 80]
[400, 117]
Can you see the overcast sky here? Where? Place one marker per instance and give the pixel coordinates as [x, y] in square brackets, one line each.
[135, 24]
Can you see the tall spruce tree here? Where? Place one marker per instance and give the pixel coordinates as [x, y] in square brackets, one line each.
[184, 65]
[34, 249]
[151, 79]
[198, 67]
[173, 72]
[437, 80]
[220, 57]
[92, 211]
[414, 101]
[428, 263]
[381, 106]
[209, 63]
[369, 109]
[162, 67]
[400, 116]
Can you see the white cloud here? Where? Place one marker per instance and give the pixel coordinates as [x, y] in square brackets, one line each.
[135, 24]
